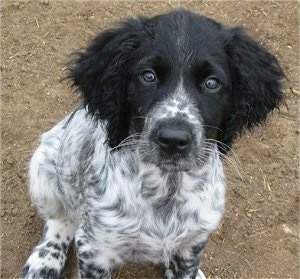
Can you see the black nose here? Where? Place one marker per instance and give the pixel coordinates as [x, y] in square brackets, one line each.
[173, 140]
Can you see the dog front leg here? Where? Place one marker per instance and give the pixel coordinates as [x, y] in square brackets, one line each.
[48, 258]
[93, 263]
[185, 265]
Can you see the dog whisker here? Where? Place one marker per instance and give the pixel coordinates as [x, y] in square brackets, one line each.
[214, 127]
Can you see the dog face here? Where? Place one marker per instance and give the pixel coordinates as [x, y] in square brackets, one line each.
[179, 80]
[179, 91]
[182, 50]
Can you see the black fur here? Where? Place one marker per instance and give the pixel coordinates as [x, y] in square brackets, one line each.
[100, 73]
[258, 84]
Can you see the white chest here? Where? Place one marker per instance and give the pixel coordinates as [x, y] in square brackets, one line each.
[152, 217]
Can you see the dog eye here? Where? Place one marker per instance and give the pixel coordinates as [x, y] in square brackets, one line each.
[148, 76]
[212, 83]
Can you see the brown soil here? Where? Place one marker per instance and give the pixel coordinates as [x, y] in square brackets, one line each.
[259, 234]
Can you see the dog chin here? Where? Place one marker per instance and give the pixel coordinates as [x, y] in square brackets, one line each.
[173, 164]
[172, 167]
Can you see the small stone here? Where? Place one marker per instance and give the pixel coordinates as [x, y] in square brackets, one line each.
[16, 4]
[286, 229]
[10, 160]
[44, 2]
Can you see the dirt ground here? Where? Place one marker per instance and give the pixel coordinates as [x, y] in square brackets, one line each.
[259, 236]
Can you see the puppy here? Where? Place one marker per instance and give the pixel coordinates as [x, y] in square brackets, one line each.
[135, 172]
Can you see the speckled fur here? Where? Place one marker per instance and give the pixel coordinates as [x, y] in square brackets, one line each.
[124, 209]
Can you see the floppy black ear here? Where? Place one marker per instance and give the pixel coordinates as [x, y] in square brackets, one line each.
[257, 84]
[99, 73]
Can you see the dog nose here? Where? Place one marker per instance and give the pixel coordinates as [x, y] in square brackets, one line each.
[173, 140]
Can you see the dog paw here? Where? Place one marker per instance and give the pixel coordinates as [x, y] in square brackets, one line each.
[43, 264]
[29, 272]
[200, 275]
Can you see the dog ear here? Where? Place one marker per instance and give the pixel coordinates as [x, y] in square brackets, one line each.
[257, 84]
[100, 72]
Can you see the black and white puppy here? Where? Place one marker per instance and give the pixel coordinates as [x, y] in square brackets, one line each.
[135, 173]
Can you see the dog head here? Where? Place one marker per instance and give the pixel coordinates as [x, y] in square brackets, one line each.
[178, 80]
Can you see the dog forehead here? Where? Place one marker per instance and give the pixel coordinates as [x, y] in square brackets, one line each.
[182, 25]
[182, 34]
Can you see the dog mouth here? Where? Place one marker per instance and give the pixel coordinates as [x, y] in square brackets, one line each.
[177, 161]
[174, 164]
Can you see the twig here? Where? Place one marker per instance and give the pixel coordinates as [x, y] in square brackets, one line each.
[295, 91]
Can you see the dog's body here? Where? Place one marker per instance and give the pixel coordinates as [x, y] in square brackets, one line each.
[135, 174]
[133, 212]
